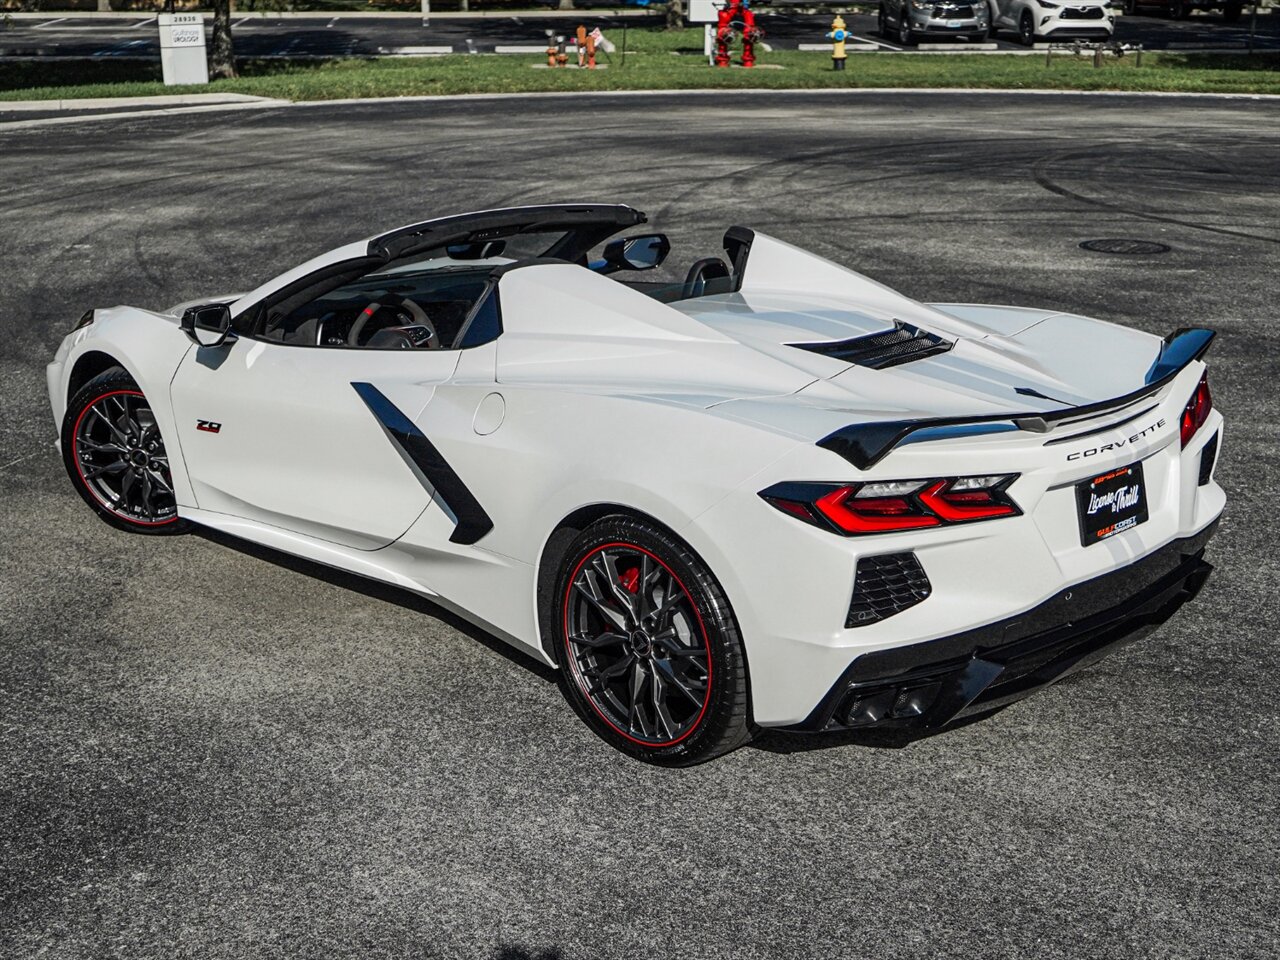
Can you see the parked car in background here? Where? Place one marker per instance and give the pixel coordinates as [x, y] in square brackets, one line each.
[910, 21]
[1053, 20]
[1181, 9]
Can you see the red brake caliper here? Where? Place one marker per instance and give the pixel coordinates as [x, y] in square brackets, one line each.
[631, 580]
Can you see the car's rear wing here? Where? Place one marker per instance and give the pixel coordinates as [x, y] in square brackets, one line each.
[866, 444]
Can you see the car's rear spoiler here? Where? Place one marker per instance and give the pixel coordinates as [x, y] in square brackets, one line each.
[866, 444]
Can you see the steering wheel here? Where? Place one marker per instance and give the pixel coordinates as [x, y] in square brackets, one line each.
[417, 317]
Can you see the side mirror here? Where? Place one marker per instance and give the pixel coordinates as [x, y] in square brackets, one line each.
[636, 253]
[208, 325]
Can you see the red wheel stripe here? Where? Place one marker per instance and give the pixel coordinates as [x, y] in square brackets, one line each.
[75, 456]
[573, 661]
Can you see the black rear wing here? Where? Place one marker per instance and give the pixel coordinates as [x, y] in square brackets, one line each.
[866, 444]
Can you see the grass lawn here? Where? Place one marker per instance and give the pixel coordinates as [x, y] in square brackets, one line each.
[655, 60]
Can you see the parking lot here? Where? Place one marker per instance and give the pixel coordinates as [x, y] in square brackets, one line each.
[323, 36]
[210, 750]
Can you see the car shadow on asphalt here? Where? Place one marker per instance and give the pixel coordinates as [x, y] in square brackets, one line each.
[380, 591]
[882, 738]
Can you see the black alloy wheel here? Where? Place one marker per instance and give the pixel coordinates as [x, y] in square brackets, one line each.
[650, 654]
[116, 458]
[882, 23]
[1027, 29]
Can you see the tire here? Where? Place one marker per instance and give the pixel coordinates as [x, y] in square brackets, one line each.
[1231, 12]
[1130, 7]
[636, 608]
[1026, 29]
[882, 23]
[116, 459]
[1179, 10]
[906, 36]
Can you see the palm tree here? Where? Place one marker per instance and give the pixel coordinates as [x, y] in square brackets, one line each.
[222, 63]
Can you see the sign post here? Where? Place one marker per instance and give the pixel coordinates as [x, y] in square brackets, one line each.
[182, 54]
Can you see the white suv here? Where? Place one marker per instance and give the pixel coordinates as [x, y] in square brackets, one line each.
[1053, 20]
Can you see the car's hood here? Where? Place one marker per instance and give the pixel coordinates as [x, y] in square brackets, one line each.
[735, 354]
[1003, 360]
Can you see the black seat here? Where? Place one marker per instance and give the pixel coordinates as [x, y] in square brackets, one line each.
[699, 281]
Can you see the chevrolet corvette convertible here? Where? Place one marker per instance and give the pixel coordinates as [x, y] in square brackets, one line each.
[776, 494]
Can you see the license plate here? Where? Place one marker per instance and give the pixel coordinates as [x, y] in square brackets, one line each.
[955, 24]
[1111, 503]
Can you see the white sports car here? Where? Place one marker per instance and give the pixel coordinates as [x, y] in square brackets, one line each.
[778, 494]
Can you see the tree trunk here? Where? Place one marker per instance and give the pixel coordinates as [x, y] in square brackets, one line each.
[567, 5]
[104, 6]
[222, 63]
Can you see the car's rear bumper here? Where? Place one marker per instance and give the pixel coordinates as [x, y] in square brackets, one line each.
[933, 683]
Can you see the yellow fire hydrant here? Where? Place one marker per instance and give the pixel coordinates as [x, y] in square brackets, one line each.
[838, 35]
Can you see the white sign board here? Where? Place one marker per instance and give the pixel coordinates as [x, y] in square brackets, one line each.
[703, 11]
[182, 54]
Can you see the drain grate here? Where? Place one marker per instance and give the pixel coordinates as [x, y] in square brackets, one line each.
[1125, 247]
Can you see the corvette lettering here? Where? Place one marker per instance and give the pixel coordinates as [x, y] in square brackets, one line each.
[208, 426]
[1116, 445]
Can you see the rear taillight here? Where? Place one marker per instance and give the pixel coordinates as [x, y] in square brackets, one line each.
[889, 506]
[1197, 410]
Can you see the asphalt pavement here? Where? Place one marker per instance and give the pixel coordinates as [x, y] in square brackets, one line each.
[209, 750]
[347, 36]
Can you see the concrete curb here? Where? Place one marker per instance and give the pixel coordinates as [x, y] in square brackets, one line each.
[757, 91]
[256, 103]
[122, 103]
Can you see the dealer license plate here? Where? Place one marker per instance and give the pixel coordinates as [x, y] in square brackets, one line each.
[1111, 503]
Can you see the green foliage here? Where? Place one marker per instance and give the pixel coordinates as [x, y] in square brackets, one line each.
[656, 59]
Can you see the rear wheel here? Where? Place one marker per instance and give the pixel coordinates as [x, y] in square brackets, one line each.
[1179, 10]
[116, 458]
[650, 654]
[1130, 8]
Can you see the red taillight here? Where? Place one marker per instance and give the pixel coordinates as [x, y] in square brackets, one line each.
[877, 515]
[888, 506]
[1197, 410]
[956, 506]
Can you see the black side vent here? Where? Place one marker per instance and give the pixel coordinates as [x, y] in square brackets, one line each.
[1207, 457]
[886, 585]
[902, 344]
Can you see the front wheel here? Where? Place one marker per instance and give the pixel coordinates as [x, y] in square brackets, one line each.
[1179, 10]
[649, 649]
[116, 457]
[1027, 30]
[1130, 7]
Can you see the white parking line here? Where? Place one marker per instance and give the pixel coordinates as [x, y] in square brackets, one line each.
[332, 22]
[887, 46]
[49, 23]
[818, 47]
[142, 23]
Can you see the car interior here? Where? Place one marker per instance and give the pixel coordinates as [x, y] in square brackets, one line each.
[431, 299]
